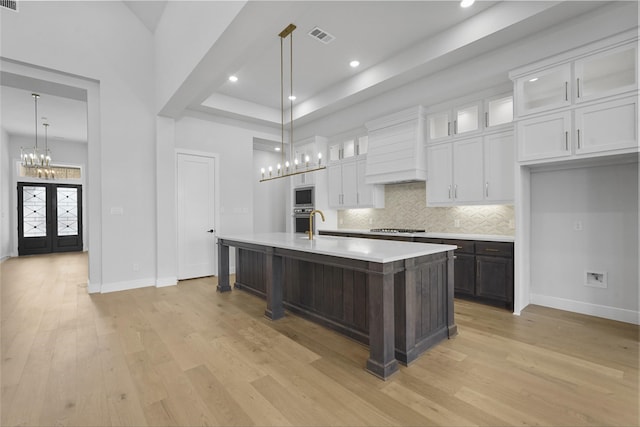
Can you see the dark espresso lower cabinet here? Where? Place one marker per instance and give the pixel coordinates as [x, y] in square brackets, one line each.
[483, 270]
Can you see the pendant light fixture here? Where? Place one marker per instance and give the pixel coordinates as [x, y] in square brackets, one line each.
[293, 166]
[39, 162]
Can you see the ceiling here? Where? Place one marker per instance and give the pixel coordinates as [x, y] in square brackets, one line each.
[396, 42]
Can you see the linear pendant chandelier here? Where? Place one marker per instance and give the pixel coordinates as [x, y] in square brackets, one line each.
[297, 166]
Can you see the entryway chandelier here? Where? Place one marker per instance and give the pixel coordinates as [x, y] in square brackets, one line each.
[32, 158]
[293, 166]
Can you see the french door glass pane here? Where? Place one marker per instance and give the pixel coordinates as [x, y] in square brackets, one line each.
[67, 211]
[34, 205]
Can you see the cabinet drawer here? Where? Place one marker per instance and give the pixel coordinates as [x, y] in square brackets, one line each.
[464, 246]
[503, 249]
[428, 240]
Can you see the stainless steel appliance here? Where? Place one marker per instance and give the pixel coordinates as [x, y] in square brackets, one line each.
[303, 197]
[301, 220]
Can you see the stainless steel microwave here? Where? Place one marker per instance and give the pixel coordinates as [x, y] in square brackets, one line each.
[303, 197]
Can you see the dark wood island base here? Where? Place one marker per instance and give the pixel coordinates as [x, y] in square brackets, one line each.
[399, 309]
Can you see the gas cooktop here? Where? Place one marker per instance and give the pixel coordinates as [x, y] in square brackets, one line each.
[395, 230]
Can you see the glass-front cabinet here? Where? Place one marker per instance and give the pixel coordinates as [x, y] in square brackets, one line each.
[498, 111]
[460, 121]
[348, 147]
[544, 90]
[606, 73]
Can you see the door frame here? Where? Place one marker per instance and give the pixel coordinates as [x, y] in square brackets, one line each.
[216, 200]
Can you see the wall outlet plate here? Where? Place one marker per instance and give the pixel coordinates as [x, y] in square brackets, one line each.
[595, 279]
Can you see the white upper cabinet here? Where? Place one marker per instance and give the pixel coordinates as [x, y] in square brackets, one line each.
[348, 189]
[472, 171]
[580, 104]
[544, 90]
[606, 73]
[345, 148]
[498, 111]
[457, 122]
[499, 171]
[606, 126]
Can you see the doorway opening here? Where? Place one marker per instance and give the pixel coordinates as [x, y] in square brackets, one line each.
[49, 218]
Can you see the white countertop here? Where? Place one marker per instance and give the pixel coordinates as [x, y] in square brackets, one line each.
[434, 235]
[372, 250]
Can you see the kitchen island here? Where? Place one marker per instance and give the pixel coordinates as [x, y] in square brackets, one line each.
[397, 297]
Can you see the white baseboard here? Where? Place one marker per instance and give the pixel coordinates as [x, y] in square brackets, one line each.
[607, 312]
[161, 282]
[128, 285]
[4, 258]
[93, 288]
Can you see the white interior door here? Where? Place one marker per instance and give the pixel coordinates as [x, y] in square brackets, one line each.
[196, 207]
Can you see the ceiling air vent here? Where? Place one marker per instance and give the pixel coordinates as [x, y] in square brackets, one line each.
[321, 35]
[9, 4]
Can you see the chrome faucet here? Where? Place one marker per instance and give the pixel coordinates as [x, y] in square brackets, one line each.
[311, 222]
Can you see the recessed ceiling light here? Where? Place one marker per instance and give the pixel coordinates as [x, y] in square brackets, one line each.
[277, 148]
[292, 97]
[533, 79]
[233, 79]
[467, 3]
[354, 64]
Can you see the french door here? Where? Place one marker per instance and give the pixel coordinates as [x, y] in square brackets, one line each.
[49, 218]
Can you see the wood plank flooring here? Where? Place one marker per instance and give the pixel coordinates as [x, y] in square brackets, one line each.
[187, 355]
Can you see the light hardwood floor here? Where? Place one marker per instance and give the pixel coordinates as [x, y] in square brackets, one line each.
[187, 355]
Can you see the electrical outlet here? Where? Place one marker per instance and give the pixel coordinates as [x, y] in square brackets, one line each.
[136, 267]
[595, 279]
[370, 221]
[341, 222]
[577, 225]
[512, 224]
[456, 223]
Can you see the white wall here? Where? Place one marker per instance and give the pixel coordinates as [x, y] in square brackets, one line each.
[80, 38]
[5, 196]
[269, 197]
[586, 219]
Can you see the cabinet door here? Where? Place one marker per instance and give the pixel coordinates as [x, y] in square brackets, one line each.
[607, 126]
[440, 172]
[334, 182]
[349, 184]
[494, 278]
[499, 167]
[606, 73]
[439, 125]
[334, 152]
[348, 148]
[544, 90]
[464, 280]
[498, 111]
[466, 119]
[544, 137]
[468, 177]
[365, 196]
[363, 145]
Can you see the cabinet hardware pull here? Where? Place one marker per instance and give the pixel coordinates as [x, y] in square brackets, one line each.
[578, 87]
[449, 191]
[459, 247]
[455, 127]
[491, 250]
[486, 119]
[455, 191]
[448, 128]
[566, 141]
[566, 91]
[578, 139]
[486, 189]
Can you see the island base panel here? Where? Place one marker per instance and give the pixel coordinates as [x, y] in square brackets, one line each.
[223, 268]
[337, 297]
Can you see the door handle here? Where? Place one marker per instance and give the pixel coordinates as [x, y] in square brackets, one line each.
[211, 231]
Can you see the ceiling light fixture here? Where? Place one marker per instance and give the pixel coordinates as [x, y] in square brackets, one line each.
[354, 64]
[38, 162]
[535, 79]
[284, 168]
[467, 3]
[233, 79]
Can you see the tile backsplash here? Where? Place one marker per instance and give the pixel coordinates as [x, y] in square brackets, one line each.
[406, 207]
